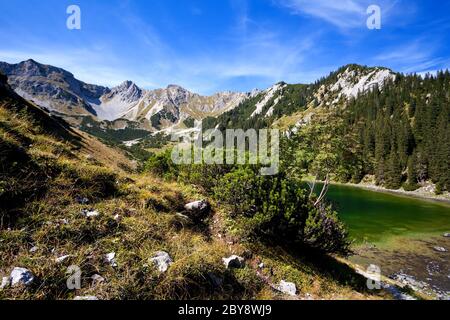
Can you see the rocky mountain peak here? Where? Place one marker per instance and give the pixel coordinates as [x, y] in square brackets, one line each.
[358, 79]
[31, 68]
[350, 81]
[178, 95]
[174, 89]
[127, 84]
[128, 91]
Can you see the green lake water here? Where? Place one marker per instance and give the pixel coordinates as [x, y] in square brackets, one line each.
[376, 217]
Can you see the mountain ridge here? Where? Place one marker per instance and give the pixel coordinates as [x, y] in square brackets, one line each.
[167, 108]
[58, 90]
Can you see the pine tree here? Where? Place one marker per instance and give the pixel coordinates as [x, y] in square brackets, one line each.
[394, 171]
[411, 183]
[443, 150]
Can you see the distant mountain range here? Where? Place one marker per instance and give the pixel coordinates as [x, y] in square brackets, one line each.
[61, 93]
[96, 108]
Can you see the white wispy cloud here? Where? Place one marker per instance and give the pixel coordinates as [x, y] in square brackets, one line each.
[416, 56]
[344, 14]
[266, 58]
[251, 50]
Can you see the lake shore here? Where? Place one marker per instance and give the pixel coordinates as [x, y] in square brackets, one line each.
[412, 261]
[423, 193]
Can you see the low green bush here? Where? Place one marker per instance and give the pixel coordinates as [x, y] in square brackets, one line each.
[278, 208]
[161, 164]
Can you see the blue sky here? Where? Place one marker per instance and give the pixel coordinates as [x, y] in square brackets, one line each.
[210, 45]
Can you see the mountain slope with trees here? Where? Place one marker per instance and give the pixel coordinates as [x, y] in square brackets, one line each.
[391, 126]
[400, 135]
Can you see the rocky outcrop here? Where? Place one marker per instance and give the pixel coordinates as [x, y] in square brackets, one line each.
[357, 80]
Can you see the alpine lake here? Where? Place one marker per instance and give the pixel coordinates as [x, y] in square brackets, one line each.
[402, 235]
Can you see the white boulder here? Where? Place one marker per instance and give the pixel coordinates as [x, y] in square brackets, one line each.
[161, 260]
[21, 276]
[90, 213]
[110, 258]
[288, 288]
[198, 210]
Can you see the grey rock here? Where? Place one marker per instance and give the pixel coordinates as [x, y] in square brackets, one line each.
[288, 288]
[397, 293]
[34, 249]
[447, 235]
[90, 213]
[410, 281]
[52, 87]
[198, 210]
[21, 276]
[62, 258]
[110, 258]
[97, 279]
[440, 249]
[6, 282]
[161, 260]
[233, 262]
[82, 200]
[308, 296]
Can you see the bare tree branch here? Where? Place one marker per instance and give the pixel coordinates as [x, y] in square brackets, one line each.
[324, 191]
[312, 186]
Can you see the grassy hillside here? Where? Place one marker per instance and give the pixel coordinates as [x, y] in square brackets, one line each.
[50, 174]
